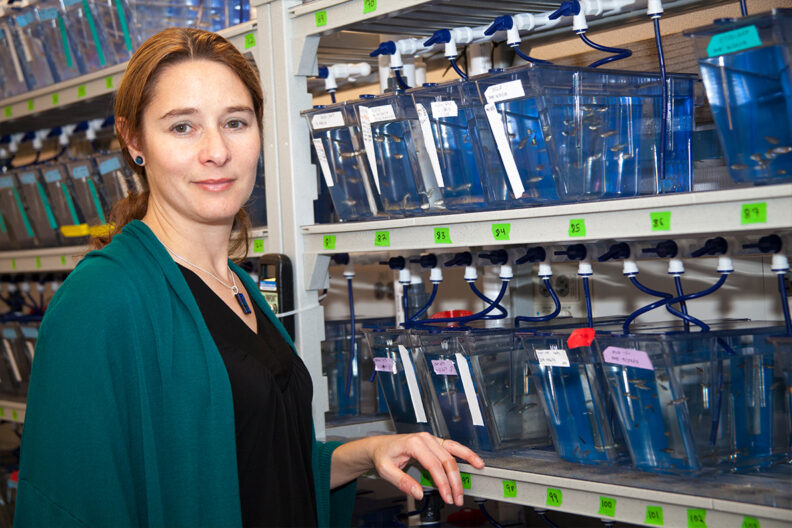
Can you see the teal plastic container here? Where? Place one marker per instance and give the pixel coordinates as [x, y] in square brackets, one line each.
[746, 65]
[40, 212]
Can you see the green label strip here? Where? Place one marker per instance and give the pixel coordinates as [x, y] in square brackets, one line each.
[13, 264]
[465, 480]
[369, 6]
[382, 238]
[258, 245]
[697, 518]
[329, 242]
[661, 220]
[109, 82]
[736, 40]
[38, 262]
[250, 40]
[607, 507]
[55, 99]
[577, 227]
[8, 111]
[82, 91]
[94, 34]
[754, 213]
[31, 105]
[750, 522]
[124, 26]
[321, 18]
[66, 46]
[509, 489]
[554, 497]
[442, 235]
[501, 231]
[426, 479]
[654, 515]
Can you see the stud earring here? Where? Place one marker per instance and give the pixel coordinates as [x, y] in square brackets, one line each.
[139, 160]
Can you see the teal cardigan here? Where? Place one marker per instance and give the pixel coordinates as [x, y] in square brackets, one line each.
[130, 419]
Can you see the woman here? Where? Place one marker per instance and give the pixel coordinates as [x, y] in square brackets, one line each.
[164, 390]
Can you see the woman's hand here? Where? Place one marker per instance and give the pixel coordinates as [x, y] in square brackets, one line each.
[389, 454]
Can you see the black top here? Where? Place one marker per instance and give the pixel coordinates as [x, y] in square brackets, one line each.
[272, 394]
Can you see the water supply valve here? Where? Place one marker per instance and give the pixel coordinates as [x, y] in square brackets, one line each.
[535, 254]
[663, 249]
[713, 246]
[618, 251]
[497, 256]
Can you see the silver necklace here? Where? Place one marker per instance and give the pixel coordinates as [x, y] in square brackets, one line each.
[240, 297]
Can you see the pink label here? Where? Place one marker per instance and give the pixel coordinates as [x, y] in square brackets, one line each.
[384, 365]
[444, 367]
[628, 357]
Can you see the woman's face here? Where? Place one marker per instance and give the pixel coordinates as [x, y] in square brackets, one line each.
[200, 143]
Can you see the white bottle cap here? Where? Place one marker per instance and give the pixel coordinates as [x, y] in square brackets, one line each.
[471, 274]
[780, 263]
[545, 270]
[436, 275]
[630, 268]
[675, 267]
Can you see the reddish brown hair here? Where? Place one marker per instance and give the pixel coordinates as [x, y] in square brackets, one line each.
[168, 47]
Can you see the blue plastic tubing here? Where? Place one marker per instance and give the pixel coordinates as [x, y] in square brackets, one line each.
[666, 99]
[348, 384]
[784, 303]
[472, 317]
[618, 53]
[501, 309]
[552, 315]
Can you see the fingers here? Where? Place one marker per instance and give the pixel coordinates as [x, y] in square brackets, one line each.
[390, 472]
[463, 452]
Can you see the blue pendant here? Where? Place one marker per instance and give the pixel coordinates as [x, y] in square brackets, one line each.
[243, 303]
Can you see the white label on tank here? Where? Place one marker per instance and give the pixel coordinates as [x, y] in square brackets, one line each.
[368, 142]
[378, 114]
[444, 367]
[502, 142]
[412, 384]
[504, 91]
[470, 390]
[385, 365]
[328, 120]
[429, 142]
[322, 156]
[444, 109]
[554, 357]
[109, 165]
[628, 357]
[12, 360]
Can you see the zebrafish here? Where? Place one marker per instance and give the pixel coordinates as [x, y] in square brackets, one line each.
[782, 150]
[771, 139]
[608, 133]
[739, 166]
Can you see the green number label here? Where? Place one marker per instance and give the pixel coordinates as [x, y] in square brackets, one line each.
[8, 111]
[329, 241]
[321, 18]
[754, 213]
[13, 264]
[661, 221]
[748, 522]
[2, 412]
[509, 489]
[55, 99]
[577, 227]
[554, 497]
[465, 480]
[31, 105]
[63, 260]
[442, 235]
[258, 245]
[501, 231]
[382, 238]
[607, 506]
[697, 518]
[82, 90]
[14, 415]
[426, 480]
[369, 6]
[250, 40]
[38, 262]
[654, 515]
[109, 82]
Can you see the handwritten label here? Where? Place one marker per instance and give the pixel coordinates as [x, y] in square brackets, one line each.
[31, 105]
[327, 120]
[442, 235]
[109, 82]
[553, 357]
[504, 91]
[628, 357]
[465, 480]
[258, 245]
[384, 365]
[82, 91]
[55, 99]
[501, 231]
[750, 522]
[323, 164]
[577, 227]
[654, 515]
[426, 479]
[498, 128]
[321, 18]
[607, 507]
[429, 143]
[735, 40]
[661, 220]
[509, 489]
[444, 367]
[378, 114]
[329, 242]
[554, 497]
[250, 40]
[754, 213]
[382, 238]
[369, 6]
[697, 518]
[444, 109]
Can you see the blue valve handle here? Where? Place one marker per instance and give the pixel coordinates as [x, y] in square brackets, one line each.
[441, 36]
[385, 48]
[567, 8]
[324, 72]
[502, 23]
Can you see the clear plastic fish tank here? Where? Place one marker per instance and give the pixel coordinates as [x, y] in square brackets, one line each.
[15, 363]
[482, 382]
[745, 65]
[15, 217]
[461, 147]
[574, 397]
[689, 401]
[396, 155]
[603, 131]
[12, 80]
[30, 48]
[50, 28]
[512, 113]
[783, 369]
[120, 37]
[38, 205]
[116, 178]
[342, 161]
[85, 183]
[403, 378]
[86, 36]
[60, 193]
